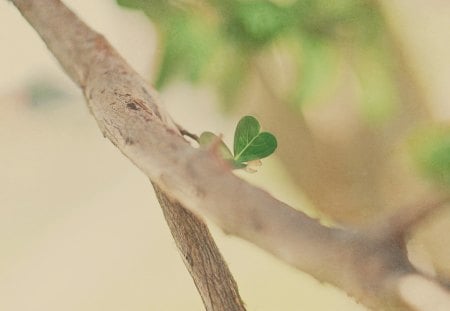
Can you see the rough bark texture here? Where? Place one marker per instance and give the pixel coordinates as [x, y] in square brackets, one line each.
[201, 257]
[372, 265]
[200, 254]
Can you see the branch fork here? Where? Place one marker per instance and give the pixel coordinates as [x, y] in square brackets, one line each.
[190, 184]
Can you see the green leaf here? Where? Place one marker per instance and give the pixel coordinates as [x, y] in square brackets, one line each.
[258, 22]
[157, 10]
[188, 46]
[251, 144]
[318, 67]
[430, 149]
[230, 74]
[210, 140]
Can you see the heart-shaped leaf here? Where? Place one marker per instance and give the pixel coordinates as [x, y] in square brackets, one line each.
[251, 144]
[210, 140]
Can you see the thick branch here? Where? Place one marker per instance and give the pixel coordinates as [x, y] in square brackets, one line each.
[128, 113]
[200, 254]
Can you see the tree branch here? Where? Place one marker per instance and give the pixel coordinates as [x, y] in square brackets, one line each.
[201, 256]
[403, 221]
[367, 266]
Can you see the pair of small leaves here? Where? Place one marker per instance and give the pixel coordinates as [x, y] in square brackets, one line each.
[250, 144]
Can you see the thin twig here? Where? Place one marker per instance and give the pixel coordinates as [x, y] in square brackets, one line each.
[185, 132]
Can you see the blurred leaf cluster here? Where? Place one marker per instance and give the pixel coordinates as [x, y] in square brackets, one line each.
[218, 42]
[430, 148]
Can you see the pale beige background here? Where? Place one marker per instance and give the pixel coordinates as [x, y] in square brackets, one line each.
[80, 228]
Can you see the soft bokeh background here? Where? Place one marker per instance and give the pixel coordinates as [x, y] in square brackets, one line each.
[80, 228]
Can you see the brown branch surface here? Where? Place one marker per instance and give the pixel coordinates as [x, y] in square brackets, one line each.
[200, 254]
[201, 257]
[368, 266]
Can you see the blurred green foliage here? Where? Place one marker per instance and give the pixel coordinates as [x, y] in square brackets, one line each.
[431, 151]
[218, 42]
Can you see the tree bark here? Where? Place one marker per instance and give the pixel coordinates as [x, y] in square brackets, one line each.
[370, 265]
[201, 256]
